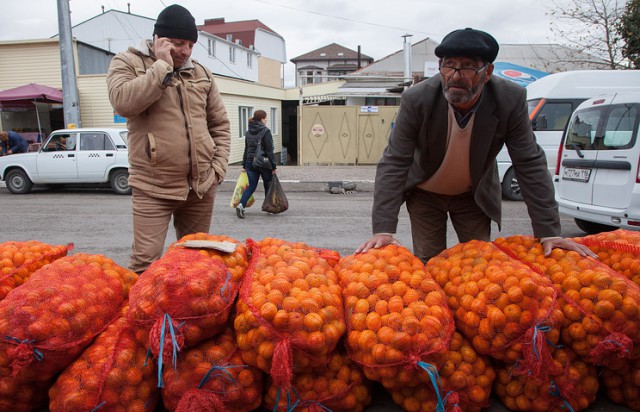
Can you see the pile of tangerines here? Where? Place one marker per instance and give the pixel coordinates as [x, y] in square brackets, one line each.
[286, 326]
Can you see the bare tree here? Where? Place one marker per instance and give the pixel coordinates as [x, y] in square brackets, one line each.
[590, 28]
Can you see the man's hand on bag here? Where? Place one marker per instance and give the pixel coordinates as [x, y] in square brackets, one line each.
[567, 244]
[378, 240]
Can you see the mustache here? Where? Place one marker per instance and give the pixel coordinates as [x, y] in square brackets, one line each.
[457, 84]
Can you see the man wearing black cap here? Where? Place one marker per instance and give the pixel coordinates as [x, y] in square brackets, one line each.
[179, 134]
[441, 156]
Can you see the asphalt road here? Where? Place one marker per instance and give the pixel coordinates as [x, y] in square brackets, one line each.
[99, 222]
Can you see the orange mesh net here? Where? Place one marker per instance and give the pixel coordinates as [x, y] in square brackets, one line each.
[338, 386]
[601, 307]
[111, 374]
[396, 315]
[572, 387]
[18, 261]
[463, 383]
[505, 309]
[622, 384]
[289, 312]
[212, 377]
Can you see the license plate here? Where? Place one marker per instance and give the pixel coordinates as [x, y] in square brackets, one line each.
[576, 175]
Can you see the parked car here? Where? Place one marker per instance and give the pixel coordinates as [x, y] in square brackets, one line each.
[81, 156]
[597, 178]
[551, 100]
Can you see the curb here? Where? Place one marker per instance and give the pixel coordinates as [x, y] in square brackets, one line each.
[311, 186]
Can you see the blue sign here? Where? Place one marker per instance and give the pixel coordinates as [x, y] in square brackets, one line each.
[118, 118]
[518, 74]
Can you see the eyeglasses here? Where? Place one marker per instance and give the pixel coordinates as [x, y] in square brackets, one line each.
[466, 73]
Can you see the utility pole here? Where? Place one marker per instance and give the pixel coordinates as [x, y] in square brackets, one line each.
[408, 72]
[71, 104]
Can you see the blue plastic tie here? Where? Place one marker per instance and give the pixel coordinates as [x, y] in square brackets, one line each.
[100, 405]
[537, 329]
[39, 356]
[435, 381]
[223, 371]
[167, 321]
[226, 283]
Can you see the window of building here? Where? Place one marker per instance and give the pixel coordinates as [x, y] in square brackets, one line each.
[318, 78]
[211, 47]
[229, 37]
[380, 101]
[244, 114]
[232, 54]
[249, 60]
[273, 120]
[307, 78]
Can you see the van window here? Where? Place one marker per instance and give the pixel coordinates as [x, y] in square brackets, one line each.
[604, 128]
[552, 116]
[618, 133]
[582, 130]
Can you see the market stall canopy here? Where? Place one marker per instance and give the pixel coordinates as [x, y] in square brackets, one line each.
[31, 92]
[516, 73]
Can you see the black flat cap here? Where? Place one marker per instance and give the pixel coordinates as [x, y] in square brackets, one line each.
[468, 43]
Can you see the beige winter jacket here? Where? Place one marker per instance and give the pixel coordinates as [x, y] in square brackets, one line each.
[179, 135]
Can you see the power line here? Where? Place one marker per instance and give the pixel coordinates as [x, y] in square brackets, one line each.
[344, 18]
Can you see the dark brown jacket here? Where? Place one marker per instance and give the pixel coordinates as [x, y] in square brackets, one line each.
[417, 147]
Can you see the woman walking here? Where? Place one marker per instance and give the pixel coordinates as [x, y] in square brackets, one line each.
[258, 131]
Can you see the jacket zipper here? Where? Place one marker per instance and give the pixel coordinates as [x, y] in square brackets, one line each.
[186, 126]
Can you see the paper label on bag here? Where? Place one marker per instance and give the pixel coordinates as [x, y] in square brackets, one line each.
[227, 247]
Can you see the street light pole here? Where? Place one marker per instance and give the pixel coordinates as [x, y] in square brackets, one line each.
[71, 105]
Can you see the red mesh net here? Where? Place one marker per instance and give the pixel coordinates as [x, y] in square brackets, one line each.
[111, 374]
[49, 320]
[338, 386]
[573, 386]
[289, 312]
[396, 315]
[601, 307]
[619, 249]
[236, 262]
[180, 300]
[213, 377]
[18, 261]
[18, 396]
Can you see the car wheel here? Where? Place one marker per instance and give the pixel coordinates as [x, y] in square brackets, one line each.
[510, 186]
[592, 227]
[120, 182]
[18, 182]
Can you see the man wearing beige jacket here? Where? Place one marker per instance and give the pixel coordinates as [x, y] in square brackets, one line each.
[179, 134]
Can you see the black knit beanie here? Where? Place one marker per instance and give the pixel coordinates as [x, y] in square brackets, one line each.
[176, 22]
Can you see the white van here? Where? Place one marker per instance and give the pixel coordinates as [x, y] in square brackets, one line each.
[597, 180]
[551, 101]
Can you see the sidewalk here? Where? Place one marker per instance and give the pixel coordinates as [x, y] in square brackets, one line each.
[314, 178]
[310, 178]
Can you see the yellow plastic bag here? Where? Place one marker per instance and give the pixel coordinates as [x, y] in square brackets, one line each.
[241, 185]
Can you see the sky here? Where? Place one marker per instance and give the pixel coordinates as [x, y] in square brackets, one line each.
[377, 26]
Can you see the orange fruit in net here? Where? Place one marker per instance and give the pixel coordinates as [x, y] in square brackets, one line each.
[408, 320]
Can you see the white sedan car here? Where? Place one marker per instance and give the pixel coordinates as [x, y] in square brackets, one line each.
[82, 156]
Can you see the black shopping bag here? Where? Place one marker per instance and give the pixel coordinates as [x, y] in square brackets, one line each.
[275, 200]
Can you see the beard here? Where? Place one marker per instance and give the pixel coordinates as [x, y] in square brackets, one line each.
[458, 91]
